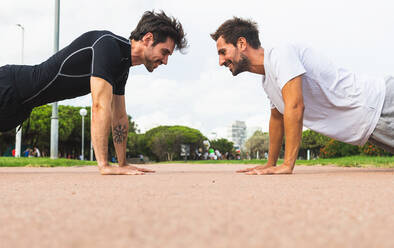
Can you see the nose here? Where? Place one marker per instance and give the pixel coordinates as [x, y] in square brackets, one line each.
[165, 60]
[221, 60]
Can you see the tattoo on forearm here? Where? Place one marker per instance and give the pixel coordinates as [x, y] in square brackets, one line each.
[119, 134]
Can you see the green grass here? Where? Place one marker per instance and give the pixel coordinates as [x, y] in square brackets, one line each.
[42, 162]
[352, 161]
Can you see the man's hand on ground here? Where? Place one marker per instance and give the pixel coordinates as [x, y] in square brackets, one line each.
[132, 167]
[282, 169]
[259, 167]
[122, 170]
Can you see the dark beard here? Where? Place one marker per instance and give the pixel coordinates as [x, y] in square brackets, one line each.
[242, 65]
[149, 64]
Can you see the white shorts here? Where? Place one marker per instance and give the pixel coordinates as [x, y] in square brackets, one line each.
[383, 135]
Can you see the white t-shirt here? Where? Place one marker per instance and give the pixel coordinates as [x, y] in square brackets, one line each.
[338, 103]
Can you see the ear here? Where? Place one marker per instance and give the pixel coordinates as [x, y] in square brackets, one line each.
[147, 39]
[241, 43]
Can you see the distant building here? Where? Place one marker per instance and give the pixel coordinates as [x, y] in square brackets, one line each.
[237, 133]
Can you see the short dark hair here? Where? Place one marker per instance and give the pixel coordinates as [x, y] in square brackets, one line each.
[234, 28]
[162, 27]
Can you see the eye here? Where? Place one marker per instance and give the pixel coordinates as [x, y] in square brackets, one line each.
[164, 52]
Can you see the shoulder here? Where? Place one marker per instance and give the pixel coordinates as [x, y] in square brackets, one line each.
[284, 54]
[286, 49]
[104, 36]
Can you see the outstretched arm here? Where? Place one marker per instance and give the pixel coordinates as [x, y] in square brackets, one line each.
[120, 127]
[101, 121]
[101, 118]
[293, 119]
[276, 130]
[120, 130]
[292, 122]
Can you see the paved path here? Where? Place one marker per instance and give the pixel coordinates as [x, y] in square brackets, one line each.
[196, 206]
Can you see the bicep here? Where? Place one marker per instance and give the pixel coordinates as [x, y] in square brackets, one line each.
[101, 91]
[292, 92]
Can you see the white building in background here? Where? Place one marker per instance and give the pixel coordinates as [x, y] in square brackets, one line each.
[237, 133]
[251, 130]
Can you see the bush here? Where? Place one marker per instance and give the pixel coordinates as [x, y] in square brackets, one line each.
[372, 150]
[164, 142]
[335, 148]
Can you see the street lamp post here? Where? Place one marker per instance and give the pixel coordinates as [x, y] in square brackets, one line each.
[83, 112]
[18, 136]
[55, 115]
[91, 145]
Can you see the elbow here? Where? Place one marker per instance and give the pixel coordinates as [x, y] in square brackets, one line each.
[295, 109]
[300, 107]
[100, 111]
[98, 107]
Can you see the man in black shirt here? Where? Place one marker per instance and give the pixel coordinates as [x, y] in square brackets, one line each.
[97, 62]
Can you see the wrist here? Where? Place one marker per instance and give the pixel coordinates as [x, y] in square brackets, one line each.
[102, 164]
[271, 163]
[122, 163]
[288, 163]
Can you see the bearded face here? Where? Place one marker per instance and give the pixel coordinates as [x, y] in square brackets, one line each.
[156, 55]
[243, 64]
[231, 57]
[236, 67]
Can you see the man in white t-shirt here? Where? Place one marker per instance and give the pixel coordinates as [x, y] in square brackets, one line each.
[305, 88]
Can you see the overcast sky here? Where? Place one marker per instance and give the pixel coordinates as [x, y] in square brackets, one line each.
[192, 89]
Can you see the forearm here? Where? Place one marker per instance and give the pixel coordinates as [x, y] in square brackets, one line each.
[276, 131]
[101, 119]
[293, 130]
[120, 129]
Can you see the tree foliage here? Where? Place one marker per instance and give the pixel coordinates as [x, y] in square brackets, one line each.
[259, 142]
[372, 150]
[223, 145]
[163, 142]
[334, 148]
[36, 131]
[312, 141]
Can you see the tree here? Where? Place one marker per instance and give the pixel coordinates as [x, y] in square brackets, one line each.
[163, 142]
[313, 141]
[372, 150]
[335, 148]
[259, 142]
[136, 145]
[36, 131]
[223, 145]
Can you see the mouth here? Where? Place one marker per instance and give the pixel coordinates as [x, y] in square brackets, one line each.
[229, 65]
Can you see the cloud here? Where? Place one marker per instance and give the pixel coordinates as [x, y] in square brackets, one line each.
[210, 102]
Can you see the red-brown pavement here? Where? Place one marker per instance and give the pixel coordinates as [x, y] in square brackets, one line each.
[184, 205]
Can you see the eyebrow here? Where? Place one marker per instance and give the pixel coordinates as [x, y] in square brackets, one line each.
[165, 51]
